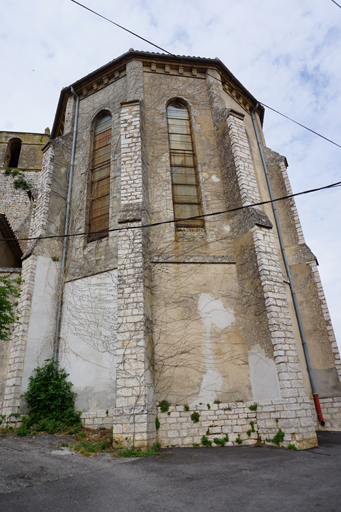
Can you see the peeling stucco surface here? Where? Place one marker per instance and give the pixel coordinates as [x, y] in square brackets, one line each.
[213, 315]
[88, 339]
[263, 373]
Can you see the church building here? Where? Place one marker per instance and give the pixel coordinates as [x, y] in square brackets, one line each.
[180, 298]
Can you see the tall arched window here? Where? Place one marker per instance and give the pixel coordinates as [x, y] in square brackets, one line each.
[100, 178]
[13, 153]
[185, 183]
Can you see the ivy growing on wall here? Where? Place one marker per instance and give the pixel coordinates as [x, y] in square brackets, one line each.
[9, 291]
[19, 180]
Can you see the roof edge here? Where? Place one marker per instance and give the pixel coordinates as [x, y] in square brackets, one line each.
[159, 56]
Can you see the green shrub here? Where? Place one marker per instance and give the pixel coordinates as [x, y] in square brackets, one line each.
[157, 423]
[221, 441]
[51, 402]
[195, 417]
[239, 440]
[253, 407]
[292, 447]
[279, 437]
[164, 405]
[19, 180]
[205, 441]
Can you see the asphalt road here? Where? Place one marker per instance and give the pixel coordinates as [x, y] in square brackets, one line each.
[36, 476]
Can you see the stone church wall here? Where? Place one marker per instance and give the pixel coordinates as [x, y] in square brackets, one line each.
[190, 315]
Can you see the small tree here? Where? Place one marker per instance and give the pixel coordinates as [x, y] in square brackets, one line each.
[9, 290]
[51, 401]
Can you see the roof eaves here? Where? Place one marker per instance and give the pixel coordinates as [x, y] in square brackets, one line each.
[139, 53]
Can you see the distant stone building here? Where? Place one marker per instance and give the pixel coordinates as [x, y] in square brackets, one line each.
[157, 299]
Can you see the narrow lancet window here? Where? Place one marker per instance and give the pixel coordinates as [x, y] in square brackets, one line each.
[100, 178]
[185, 183]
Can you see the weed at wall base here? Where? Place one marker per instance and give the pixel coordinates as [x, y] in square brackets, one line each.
[51, 402]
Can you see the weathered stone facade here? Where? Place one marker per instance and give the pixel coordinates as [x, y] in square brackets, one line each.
[200, 316]
[17, 204]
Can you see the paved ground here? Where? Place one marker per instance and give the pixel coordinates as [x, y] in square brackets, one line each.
[36, 476]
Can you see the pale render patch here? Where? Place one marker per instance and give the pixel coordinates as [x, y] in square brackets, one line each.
[41, 328]
[263, 374]
[88, 345]
[215, 178]
[227, 228]
[212, 313]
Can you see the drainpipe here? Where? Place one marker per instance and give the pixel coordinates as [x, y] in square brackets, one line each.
[286, 264]
[66, 230]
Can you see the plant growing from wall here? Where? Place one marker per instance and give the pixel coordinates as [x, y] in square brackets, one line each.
[205, 441]
[239, 440]
[186, 408]
[9, 290]
[221, 441]
[164, 405]
[278, 438]
[157, 423]
[253, 407]
[19, 180]
[195, 417]
[51, 402]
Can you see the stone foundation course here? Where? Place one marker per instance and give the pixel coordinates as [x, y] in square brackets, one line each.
[291, 422]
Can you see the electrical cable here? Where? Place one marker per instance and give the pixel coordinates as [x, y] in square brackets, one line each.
[178, 57]
[173, 221]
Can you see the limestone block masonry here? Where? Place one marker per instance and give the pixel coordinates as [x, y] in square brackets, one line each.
[331, 407]
[270, 273]
[43, 201]
[243, 345]
[13, 390]
[134, 421]
[240, 424]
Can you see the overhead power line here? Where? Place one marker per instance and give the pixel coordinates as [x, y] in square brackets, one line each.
[336, 4]
[71, 235]
[178, 57]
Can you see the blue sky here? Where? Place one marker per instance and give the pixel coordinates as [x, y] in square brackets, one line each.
[287, 54]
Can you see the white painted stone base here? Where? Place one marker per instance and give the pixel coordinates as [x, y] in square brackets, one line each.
[331, 410]
[177, 428]
[295, 417]
[98, 419]
[134, 426]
